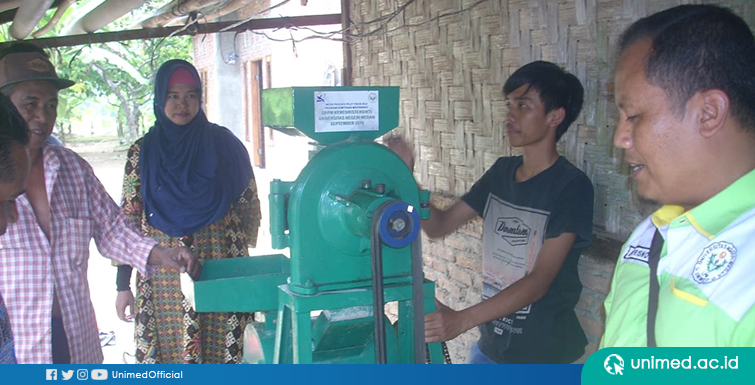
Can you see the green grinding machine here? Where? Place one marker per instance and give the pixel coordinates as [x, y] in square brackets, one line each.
[352, 222]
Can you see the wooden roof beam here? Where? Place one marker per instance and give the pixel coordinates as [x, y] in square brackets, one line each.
[195, 29]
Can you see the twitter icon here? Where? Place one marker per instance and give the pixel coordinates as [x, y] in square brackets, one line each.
[67, 374]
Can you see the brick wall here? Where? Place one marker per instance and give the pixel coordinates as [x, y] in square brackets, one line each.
[451, 70]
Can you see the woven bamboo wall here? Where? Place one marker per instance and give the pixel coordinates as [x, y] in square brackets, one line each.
[451, 71]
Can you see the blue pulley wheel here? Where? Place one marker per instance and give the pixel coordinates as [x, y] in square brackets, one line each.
[399, 224]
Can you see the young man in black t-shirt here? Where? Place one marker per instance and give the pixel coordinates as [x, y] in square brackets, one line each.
[537, 211]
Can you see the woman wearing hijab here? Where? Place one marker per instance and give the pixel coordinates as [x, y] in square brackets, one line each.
[187, 182]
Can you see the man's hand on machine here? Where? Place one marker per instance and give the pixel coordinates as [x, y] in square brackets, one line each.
[403, 149]
[444, 324]
[177, 258]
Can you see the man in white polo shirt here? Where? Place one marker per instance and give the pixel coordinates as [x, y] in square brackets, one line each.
[684, 87]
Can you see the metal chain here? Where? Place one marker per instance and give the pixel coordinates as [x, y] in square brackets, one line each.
[446, 355]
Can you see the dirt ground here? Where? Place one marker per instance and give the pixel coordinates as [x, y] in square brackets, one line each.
[107, 153]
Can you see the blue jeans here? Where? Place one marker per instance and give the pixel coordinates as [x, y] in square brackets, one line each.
[476, 356]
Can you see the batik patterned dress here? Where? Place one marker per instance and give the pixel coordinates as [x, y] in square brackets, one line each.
[168, 331]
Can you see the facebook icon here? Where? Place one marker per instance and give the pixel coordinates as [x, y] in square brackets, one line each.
[52, 374]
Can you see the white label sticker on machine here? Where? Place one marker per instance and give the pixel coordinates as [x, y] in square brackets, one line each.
[339, 111]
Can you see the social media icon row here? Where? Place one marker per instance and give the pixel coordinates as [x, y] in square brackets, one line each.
[81, 374]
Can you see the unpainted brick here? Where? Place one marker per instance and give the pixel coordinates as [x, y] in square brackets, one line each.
[460, 275]
[595, 282]
[456, 241]
[469, 260]
[593, 329]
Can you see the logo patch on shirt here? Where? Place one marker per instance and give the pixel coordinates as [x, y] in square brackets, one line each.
[714, 262]
[513, 231]
[637, 253]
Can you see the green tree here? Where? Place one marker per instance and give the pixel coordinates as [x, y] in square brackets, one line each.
[115, 76]
[120, 74]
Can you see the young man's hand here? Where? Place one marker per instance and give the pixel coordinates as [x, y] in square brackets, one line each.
[403, 149]
[177, 258]
[444, 324]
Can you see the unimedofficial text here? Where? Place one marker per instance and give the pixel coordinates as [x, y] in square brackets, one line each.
[146, 374]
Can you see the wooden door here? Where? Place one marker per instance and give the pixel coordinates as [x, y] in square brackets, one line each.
[253, 107]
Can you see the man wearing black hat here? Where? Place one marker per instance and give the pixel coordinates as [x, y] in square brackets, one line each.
[44, 255]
